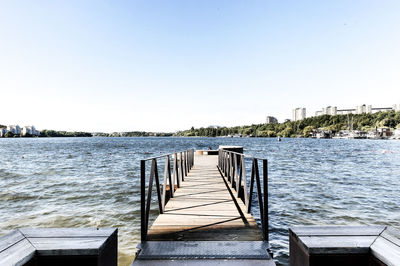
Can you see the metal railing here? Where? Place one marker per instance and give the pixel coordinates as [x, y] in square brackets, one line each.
[182, 162]
[233, 167]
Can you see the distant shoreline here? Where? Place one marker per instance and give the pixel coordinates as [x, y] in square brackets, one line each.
[380, 125]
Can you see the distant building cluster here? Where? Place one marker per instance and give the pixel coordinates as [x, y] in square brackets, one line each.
[271, 120]
[300, 112]
[16, 130]
[359, 109]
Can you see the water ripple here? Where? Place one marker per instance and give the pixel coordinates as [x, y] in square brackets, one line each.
[78, 182]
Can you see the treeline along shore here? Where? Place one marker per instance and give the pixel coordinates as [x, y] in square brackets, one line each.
[48, 133]
[304, 128]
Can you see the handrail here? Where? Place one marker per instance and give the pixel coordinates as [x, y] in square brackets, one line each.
[233, 167]
[162, 155]
[182, 162]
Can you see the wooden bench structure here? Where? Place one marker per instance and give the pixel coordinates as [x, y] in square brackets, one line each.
[59, 246]
[344, 245]
[206, 216]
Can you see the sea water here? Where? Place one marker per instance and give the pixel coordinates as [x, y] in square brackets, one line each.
[94, 182]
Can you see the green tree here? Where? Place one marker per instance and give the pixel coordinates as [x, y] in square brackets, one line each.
[307, 131]
[9, 134]
[287, 132]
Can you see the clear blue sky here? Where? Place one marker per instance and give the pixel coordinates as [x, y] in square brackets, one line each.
[169, 65]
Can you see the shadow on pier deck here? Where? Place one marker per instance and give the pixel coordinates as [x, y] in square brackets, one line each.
[207, 218]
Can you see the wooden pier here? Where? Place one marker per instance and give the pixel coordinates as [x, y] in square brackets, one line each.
[206, 219]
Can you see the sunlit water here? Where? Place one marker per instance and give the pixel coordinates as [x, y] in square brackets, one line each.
[94, 182]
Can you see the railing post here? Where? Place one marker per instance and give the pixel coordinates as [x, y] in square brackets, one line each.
[181, 167]
[183, 163]
[222, 160]
[243, 174]
[239, 176]
[232, 170]
[171, 178]
[149, 192]
[160, 207]
[227, 164]
[192, 158]
[167, 178]
[260, 199]
[143, 230]
[265, 184]
[164, 185]
[186, 164]
[176, 170]
[219, 159]
[251, 186]
[224, 157]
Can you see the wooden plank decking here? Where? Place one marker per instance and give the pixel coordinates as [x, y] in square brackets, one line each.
[59, 246]
[204, 209]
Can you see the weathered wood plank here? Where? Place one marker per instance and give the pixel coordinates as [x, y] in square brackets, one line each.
[386, 251]
[337, 244]
[76, 246]
[17, 254]
[31, 245]
[392, 235]
[333, 230]
[350, 245]
[10, 239]
[67, 232]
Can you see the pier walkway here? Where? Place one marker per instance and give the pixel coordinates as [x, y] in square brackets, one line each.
[204, 209]
[204, 212]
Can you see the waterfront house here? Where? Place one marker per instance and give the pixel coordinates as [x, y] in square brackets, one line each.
[384, 132]
[321, 134]
[358, 134]
[342, 134]
[373, 134]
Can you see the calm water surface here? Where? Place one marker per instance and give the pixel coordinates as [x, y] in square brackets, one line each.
[89, 182]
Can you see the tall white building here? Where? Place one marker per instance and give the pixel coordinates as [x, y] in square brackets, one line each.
[15, 129]
[330, 110]
[396, 107]
[299, 114]
[30, 130]
[362, 109]
[3, 131]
